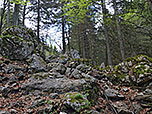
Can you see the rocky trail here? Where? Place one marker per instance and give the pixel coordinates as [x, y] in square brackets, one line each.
[66, 88]
[63, 84]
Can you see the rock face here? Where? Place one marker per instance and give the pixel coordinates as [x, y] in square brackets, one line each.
[17, 43]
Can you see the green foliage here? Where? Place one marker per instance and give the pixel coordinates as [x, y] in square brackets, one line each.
[76, 10]
[22, 2]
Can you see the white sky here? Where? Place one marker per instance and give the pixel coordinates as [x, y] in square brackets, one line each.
[1, 2]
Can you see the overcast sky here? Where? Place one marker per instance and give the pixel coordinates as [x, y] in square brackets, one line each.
[1, 1]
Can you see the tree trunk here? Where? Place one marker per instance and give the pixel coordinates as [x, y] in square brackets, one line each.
[16, 14]
[68, 34]
[63, 35]
[24, 11]
[8, 14]
[150, 4]
[2, 16]
[38, 21]
[92, 37]
[109, 60]
[119, 31]
[79, 39]
[83, 47]
[86, 52]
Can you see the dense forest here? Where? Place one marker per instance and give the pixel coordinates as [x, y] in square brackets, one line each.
[75, 57]
[102, 30]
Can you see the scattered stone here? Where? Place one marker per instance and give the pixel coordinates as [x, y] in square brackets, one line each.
[54, 95]
[125, 89]
[111, 93]
[93, 112]
[62, 113]
[76, 101]
[83, 68]
[4, 112]
[122, 108]
[75, 54]
[30, 111]
[38, 103]
[5, 91]
[148, 92]
[37, 64]
[76, 74]
[61, 69]
[13, 111]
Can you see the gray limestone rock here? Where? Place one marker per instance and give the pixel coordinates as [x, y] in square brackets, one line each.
[17, 43]
[4, 112]
[75, 54]
[83, 68]
[5, 91]
[76, 101]
[76, 74]
[58, 85]
[112, 93]
[37, 64]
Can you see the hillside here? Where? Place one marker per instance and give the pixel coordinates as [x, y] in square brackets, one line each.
[33, 83]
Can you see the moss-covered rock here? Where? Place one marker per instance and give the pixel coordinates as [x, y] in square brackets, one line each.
[76, 101]
[132, 71]
[17, 43]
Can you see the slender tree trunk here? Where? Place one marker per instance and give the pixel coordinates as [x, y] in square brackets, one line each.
[63, 35]
[119, 31]
[109, 60]
[68, 43]
[68, 34]
[87, 47]
[8, 14]
[150, 3]
[79, 39]
[16, 14]
[24, 11]
[38, 21]
[92, 37]
[2, 16]
[83, 47]
[86, 50]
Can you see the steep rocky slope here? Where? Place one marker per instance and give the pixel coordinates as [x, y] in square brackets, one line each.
[67, 85]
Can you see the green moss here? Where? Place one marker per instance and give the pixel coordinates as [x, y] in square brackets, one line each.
[1, 62]
[77, 98]
[50, 102]
[139, 58]
[92, 94]
[82, 60]
[41, 75]
[121, 76]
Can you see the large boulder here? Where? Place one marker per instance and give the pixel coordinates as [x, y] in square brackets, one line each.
[133, 71]
[17, 43]
[57, 85]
